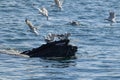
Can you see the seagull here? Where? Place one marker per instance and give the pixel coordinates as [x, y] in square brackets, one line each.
[63, 36]
[111, 17]
[74, 23]
[32, 28]
[67, 35]
[58, 3]
[49, 38]
[43, 11]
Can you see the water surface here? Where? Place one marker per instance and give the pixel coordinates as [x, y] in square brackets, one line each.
[98, 55]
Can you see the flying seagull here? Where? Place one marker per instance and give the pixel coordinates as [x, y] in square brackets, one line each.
[111, 17]
[32, 28]
[58, 3]
[43, 11]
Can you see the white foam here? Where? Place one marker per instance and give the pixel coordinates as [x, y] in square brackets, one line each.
[12, 52]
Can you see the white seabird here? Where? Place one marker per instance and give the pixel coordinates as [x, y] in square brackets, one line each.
[67, 35]
[58, 3]
[63, 36]
[49, 38]
[32, 28]
[43, 11]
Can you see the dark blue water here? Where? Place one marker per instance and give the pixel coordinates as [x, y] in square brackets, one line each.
[98, 55]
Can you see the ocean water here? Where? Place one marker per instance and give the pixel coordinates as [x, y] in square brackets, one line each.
[98, 55]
